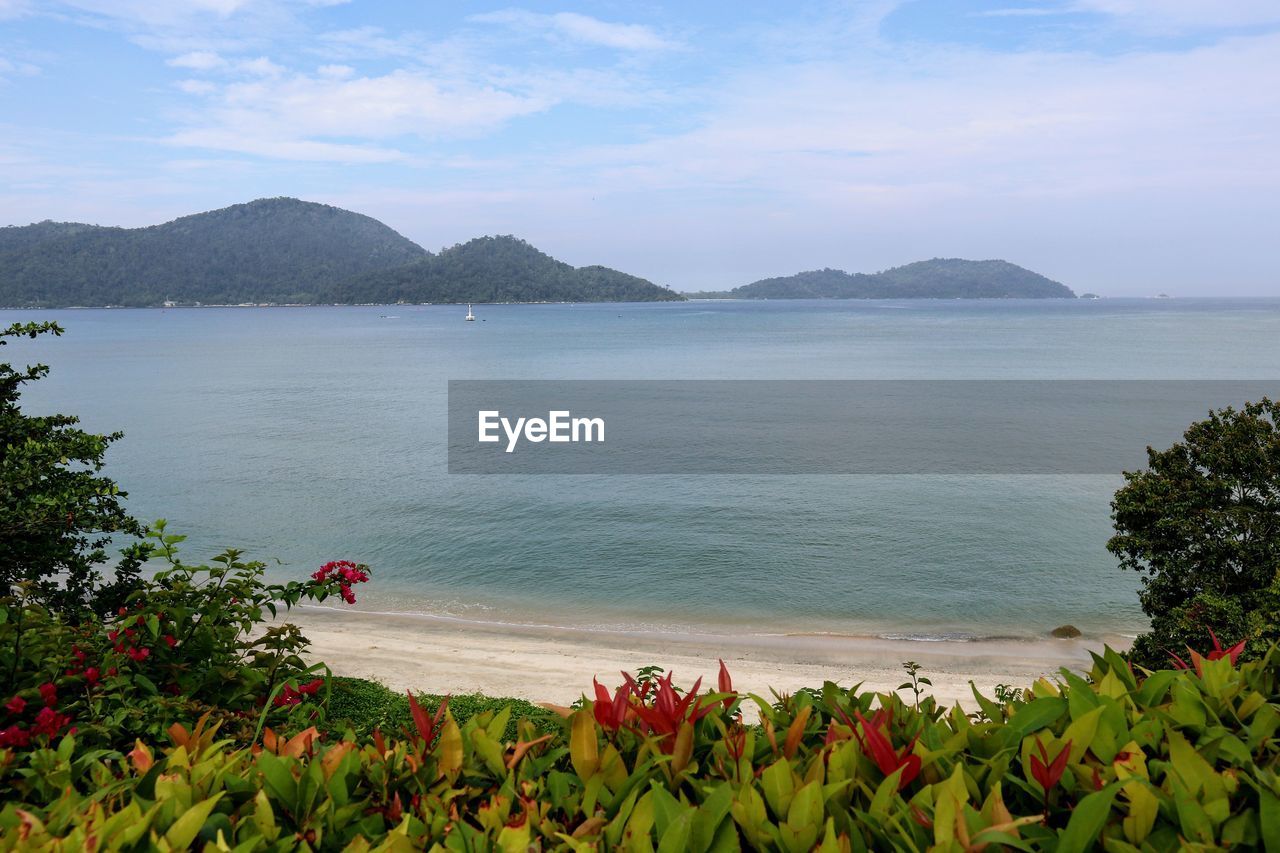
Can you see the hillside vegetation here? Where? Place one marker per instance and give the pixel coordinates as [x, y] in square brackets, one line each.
[497, 269]
[940, 278]
[283, 250]
[271, 250]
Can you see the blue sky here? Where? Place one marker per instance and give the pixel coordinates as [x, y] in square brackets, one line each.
[1122, 146]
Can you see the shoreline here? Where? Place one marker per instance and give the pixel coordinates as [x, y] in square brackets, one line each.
[556, 665]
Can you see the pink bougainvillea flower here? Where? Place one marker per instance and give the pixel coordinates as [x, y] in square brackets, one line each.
[14, 736]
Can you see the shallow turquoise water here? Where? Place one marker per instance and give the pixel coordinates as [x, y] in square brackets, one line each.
[318, 433]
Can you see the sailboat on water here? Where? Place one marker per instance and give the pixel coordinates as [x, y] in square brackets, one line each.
[470, 316]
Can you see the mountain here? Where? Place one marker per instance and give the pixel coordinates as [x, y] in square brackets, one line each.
[270, 250]
[286, 251]
[940, 278]
[497, 269]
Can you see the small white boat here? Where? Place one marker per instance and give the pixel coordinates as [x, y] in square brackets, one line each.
[470, 316]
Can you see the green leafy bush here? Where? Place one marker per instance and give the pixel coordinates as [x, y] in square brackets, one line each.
[1202, 526]
[57, 512]
[190, 639]
[1121, 759]
[363, 706]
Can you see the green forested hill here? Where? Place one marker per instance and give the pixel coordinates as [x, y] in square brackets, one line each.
[940, 278]
[497, 269]
[286, 251]
[270, 250]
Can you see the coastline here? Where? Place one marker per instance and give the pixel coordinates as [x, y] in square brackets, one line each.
[556, 665]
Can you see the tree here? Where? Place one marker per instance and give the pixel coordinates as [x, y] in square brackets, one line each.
[57, 513]
[1202, 526]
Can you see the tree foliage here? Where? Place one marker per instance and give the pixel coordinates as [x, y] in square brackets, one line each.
[57, 512]
[1202, 526]
[269, 250]
[283, 250]
[497, 269]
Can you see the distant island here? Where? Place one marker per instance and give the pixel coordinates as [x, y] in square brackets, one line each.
[940, 278]
[288, 252]
[283, 251]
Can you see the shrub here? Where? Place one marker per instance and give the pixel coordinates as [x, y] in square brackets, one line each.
[1202, 527]
[57, 512]
[189, 640]
[362, 707]
[1124, 760]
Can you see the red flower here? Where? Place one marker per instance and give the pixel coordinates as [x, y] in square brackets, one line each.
[49, 693]
[877, 745]
[170, 640]
[48, 722]
[91, 675]
[346, 573]
[16, 705]
[139, 655]
[14, 736]
[293, 696]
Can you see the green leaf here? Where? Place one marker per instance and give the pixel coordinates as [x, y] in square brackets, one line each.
[991, 709]
[806, 807]
[184, 829]
[1269, 818]
[1036, 715]
[712, 810]
[778, 783]
[1087, 820]
[584, 750]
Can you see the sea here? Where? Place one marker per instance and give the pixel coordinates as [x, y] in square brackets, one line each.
[302, 435]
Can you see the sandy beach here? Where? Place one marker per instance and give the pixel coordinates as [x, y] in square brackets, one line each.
[441, 655]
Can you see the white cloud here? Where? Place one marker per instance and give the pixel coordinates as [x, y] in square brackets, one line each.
[583, 29]
[17, 68]
[14, 8]
[1020, 12]
[262, 66]
[977, 123]
[198, 60]
[196, 87]
[305, 117]
[282, 147]
[1182, 15]
[159, 12]
[336, 72]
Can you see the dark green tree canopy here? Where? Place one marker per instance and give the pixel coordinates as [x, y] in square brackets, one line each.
[57, 512]
[1202, 526]
[286, 251]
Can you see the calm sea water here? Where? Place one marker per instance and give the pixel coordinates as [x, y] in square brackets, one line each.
[312, 434]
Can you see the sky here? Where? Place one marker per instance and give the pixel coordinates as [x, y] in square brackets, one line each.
[1124, 147]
